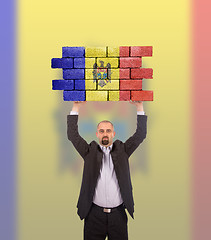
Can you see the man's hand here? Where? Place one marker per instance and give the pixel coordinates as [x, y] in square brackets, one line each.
[139, 105]
[77, 105]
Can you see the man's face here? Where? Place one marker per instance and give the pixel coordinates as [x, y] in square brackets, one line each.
[105, 133]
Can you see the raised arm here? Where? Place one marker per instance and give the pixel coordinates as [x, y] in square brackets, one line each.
[72, 130]
[140, 134]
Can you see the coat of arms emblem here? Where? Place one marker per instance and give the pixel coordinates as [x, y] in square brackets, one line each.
[102, 74]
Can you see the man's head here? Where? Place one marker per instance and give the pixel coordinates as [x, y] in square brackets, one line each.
[105, 133]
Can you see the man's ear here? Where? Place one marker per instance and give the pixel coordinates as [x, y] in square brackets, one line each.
[97, 134]
[114, 134]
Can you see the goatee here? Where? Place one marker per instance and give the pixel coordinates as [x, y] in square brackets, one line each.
[105, 141]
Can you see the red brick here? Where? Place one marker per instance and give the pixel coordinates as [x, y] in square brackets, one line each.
[130, 62]
[130, 85]
[124, 95]
[141, 51]
[137, 73]
[124, 51]
[142, 95]
[124, 73]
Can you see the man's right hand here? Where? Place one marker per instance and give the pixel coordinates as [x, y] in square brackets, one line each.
[77, 105]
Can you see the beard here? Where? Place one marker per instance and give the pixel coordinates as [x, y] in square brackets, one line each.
[105, 141]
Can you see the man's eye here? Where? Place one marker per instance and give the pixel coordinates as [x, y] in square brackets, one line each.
[108, 131]
[101, 131]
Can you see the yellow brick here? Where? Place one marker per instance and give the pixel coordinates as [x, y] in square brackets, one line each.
[89, 62]
[96, 95]
[113, 51]
[113, 61]
[113, 85]
[95, 52]
[113, 95]
[115, 73]
[90, 85]
[88, 73]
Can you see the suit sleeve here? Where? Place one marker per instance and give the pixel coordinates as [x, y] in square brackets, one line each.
[141, 131]
[73, 135]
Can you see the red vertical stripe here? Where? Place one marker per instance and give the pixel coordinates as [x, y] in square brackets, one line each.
[201, 225]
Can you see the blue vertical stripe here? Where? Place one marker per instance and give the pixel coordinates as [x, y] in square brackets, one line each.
[7, 120]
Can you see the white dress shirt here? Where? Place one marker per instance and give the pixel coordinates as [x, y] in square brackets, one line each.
[107, 192]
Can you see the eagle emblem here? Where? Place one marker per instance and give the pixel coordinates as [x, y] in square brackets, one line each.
[102, 74]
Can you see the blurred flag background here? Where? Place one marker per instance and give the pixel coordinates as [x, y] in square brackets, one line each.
[40, 173]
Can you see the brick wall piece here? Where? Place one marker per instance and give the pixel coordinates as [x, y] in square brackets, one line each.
[73, 74]
[142, 95]
[95, 52]
[89, 73]
[113, 51]
[113, 96]
[79, 62]
[74, 95]
[113, 85]
[61, 63]
[115, 73]
[124, 73]
[130, 62]
[63, 84]
[73, 52]
[137, 73]
[130, 85]
[114, 62]
[141, 51]
[89, 62]
[90, 85]
[124, 51]
[96, 95]
[124, 95]
[79, 84]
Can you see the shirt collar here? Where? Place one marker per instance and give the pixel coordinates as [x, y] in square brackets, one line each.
[110, 147]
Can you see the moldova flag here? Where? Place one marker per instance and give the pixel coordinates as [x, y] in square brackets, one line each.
[103, 73]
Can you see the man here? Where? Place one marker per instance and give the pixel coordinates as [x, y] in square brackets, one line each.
[106, 188]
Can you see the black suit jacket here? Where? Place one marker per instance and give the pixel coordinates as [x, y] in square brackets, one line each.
[92, 155]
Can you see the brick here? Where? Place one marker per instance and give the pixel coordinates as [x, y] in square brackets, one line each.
[96, 95]
[113, 62]
[73, 74]
[130, 84]
[142, 95]
[89, 62]
[73, 51]
[113, 96]
[62, 63]
[74, 96]
[113, 51]
[130, 62]
[79, 84]
[141, 51]
[63, 84]
[137, 73]
[115, 74]
[95, 52]
[124, 95]
[89, 73]
[79, 62]
[90, 85]
[124, 73]
[113, 85]
[124, 51]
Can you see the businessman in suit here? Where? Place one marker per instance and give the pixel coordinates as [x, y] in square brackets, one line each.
[106, 189]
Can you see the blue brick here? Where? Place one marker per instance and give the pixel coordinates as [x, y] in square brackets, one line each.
[73, 74]
[74, 96]
[62, 62]
[63, 84]
[79, 62]
[73, 52]
[79, 84]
